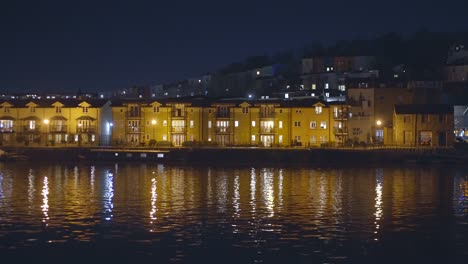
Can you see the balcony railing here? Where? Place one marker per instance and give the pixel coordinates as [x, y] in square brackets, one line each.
[86, 129]
[178, 113]
[134, 129]
[341, 116]
[28, 129]
[222, 130]
[223, 115]
[267, 115]
[7, 130]
[267, 130]
[133, 115]
[58, 128]
[340, 131]
[178, 129]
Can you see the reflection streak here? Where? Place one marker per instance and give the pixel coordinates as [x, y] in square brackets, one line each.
[45, 200]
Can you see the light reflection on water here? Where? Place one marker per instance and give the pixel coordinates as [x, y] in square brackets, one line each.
[247, 214]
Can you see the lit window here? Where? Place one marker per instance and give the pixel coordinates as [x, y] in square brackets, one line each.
[323, 125]
[165, 123]
[236, 123]
[314, 86]
[326, 86]
[191, 123]
[280, 124]
[328, 68]
[280, 139]
[164, 137]
[253, 123]
[318, 109]
[253, 137]
[313, 94]
[286, 96]
[258, 72]
[327, 94]
[209, 124]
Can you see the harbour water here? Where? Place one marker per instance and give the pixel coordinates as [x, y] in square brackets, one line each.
[138, 212]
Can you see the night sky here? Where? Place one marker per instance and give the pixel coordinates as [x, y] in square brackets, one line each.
[66, 45]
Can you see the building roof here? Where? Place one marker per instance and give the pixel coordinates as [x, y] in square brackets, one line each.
[424, 109]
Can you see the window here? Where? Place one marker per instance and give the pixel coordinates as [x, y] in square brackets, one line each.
[441, 118]
[156, 109]
[342, 87]
[298, 111]
[164, 137]
[323, 125]
[424, 118]
[58, 110]
[253, 137]
[297, 123]
[297, 138]
[280, 124]
[327, 94]
[314, 86]
[313, 139]
[253, 123]
[280, 138]
[209, 111]
[164, 122]
[147, 136]
[191, 123]
[313, 124]
[323, 139]
[236, 123]
[85, 109]
[245, 110]
[147, 122]
[209, 124]
[318, 109]
[326, 86]
[281, 111]
[32, 110]
[406, 119]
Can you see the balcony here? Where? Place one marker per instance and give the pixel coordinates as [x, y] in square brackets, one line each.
[340, 131]
[178, 129]
[267, 115]
[267, 130]
[85, 129]
[178, 114]
[222, 130]
[35, 129]
[58, 129]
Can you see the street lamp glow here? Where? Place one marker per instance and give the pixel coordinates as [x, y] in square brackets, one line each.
[153, 122]
[378, 122]
[46, 121]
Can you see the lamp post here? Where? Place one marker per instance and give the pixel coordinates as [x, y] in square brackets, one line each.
[46, 123]
[380, 133]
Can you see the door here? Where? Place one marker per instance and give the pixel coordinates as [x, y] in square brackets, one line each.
[407, 138]
[442, 139]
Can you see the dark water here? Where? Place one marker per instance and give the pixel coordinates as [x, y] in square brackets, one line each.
[141, 213]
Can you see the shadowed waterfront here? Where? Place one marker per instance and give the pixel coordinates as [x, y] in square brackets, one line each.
[189, 214]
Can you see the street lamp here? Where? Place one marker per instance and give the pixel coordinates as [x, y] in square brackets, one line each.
[46, 122]
[378, 122]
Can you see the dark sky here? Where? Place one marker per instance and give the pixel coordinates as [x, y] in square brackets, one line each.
[105, 45]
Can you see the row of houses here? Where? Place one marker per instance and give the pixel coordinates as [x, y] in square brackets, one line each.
[224, 122]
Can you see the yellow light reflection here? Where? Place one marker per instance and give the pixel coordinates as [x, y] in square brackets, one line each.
[268, 196]
[31, 188]
[45, 201]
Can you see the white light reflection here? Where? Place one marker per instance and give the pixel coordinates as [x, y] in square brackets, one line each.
[378, 200]
[280, 190]
[236, 203]
[268, 196]
[45, 200]
[109, 195]
[154, 198]
[253, 184]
